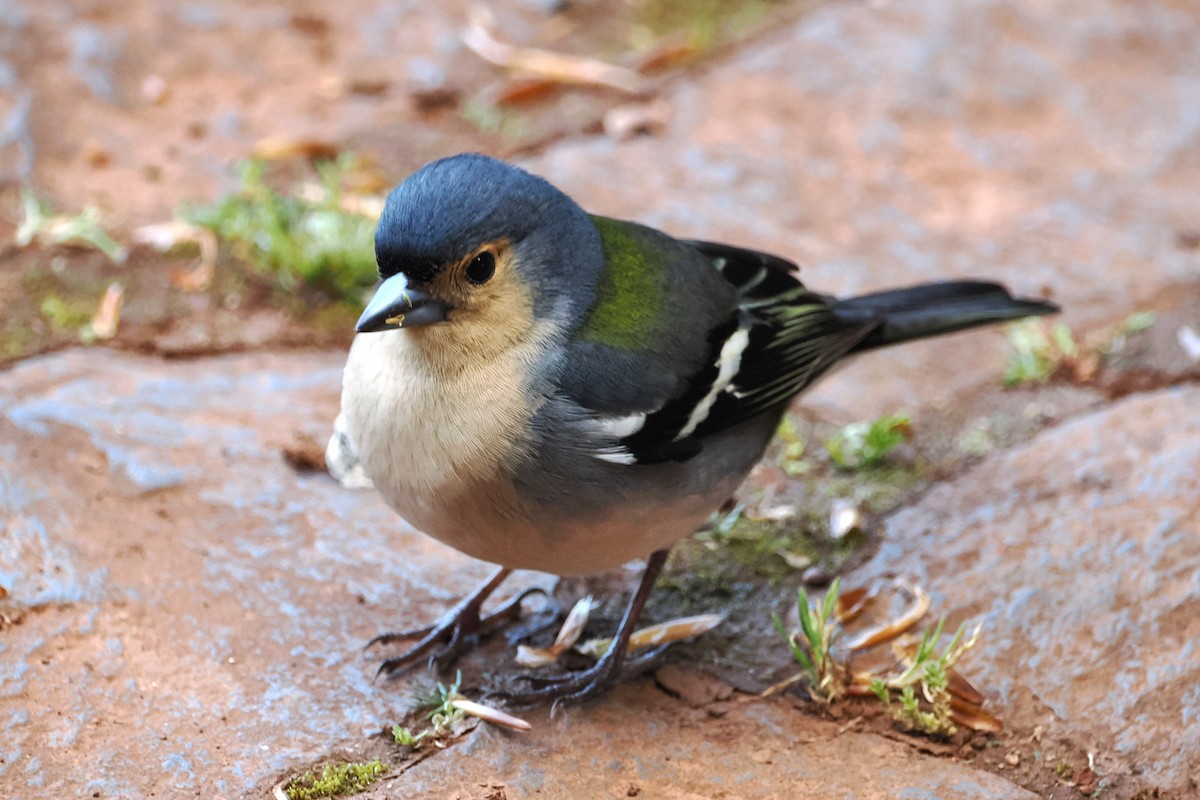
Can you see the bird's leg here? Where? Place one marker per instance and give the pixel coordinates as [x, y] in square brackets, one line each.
[594, 680]
[444, 640]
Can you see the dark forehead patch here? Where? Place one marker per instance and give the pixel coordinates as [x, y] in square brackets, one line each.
[418, 269]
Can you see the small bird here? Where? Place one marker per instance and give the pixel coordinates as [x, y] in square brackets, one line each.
[546, 389]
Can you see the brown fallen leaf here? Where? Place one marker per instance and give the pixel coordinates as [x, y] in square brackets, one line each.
[1085, 781]
[108, 313]
[872, 637]
[663, 633]
[489, 714]
[668, 55]
[959, 687]
[546, 64]
[844, 517]
[523, 91]
[166, 236]
[853, 602]
[281, 148]
[625, 122]
[974, 718]
[568, 635]
[1189, 340]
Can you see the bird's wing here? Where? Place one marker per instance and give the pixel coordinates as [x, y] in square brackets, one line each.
[778, 340]
[735, 335]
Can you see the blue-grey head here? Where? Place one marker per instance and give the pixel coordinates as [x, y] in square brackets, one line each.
[472, 240]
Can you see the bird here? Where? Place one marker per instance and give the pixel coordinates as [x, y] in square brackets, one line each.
[543, 388]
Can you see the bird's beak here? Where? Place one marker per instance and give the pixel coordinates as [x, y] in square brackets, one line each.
[397, 305]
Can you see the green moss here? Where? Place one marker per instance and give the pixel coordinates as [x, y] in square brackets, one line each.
[707, 22]
[629, 299]
[878, 490]
[489, 118]
[66, 315]
[298, 237]
[334, 780]
[770, 548]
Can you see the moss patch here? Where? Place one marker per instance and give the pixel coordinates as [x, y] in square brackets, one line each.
[334, 780]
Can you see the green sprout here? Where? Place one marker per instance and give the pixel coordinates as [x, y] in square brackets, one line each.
[917, 696]
[82, 230]
[861, 445]
[307, 237]
[791, 457]
[1136, 322]
[1038, 351]
[444, 718]
[929, 712]
[812, 643]
[334, 780]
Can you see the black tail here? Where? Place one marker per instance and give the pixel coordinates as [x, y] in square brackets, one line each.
[932, 309]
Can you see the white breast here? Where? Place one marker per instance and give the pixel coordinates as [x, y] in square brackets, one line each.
[423, 433]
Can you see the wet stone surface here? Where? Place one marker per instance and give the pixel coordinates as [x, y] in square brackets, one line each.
[182, 595]
[1041, 144]
[188, 614]
[1080, 552]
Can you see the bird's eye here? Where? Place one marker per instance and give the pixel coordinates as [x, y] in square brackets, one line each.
[482, 268]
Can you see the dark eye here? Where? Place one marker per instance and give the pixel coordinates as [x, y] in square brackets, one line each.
[482, 268]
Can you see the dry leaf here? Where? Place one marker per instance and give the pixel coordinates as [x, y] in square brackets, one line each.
[166, 236]
[664, 633]
[546, 64]
[961, 688]
[974, 718]
[871, 637]
[108, 313]
[522, 91]
[625, 122]
[281, 148]
[1189, 340]
[853, 602]
[489, 714]
[666, 56]
[844, 517]
[568, 635]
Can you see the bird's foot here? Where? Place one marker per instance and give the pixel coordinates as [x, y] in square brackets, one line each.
[579, 686]
[575, 687]
[445, 640]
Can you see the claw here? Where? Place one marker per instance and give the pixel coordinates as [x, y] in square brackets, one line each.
[453, 630]
[509, 612]
[584, 685]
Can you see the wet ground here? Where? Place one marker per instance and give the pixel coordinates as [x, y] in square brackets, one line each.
[185, 606]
